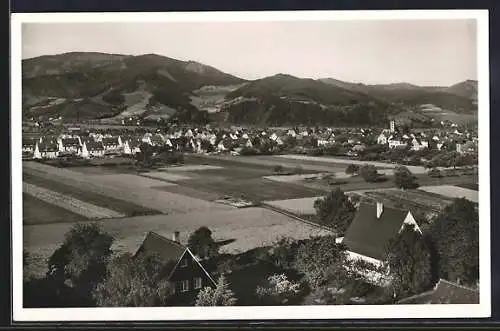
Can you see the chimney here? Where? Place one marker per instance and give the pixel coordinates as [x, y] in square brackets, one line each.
[175, 236]
[380, 209]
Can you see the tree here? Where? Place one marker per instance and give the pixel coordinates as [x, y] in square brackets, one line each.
[278, 169]
[146, 154]
[409, 260]
[434, 172]
[404, 178]
[298, 170]
[201, 243]
[456, 238]
[320, 260]
[335, 210]
[283, 252]
[279, 290]
[352, 169]
[80, 262]
[369, 173]
[221, 295]
[134, 282]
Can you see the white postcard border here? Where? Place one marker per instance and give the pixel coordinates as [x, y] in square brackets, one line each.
[483, 309]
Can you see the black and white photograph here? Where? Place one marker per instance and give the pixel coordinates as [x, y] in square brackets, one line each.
[208, 166]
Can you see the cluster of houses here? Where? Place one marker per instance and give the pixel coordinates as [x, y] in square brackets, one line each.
[51, 147]
[464, 142]
[234, 140]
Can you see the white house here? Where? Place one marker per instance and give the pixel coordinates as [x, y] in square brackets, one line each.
[382, 139]
[418, 144]
[368, 235]
[46, 151]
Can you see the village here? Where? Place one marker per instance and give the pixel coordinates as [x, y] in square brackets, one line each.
[241, 141]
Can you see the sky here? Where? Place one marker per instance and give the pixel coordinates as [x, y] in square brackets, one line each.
[421, 52]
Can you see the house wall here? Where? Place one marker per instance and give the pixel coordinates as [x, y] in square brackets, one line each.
[188, 272]
[374, 277]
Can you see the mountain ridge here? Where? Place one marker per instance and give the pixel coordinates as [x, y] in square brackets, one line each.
[90, 85]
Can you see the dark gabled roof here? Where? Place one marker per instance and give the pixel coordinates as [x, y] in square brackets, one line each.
[368, 235]
[29, 142]
[110, 141]
[70, 142]
[48, 147]
[166, 249]
[94, 146]
[445, 292]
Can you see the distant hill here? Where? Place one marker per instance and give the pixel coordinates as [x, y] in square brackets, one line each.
[284, 99]
[466, 89]
[88, 85]
[460, 97]
[95, 85]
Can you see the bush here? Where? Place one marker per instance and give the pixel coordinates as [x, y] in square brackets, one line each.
[369, 173]
[298, 170]
[278, 169]
[352, 169]
[279, 290]
[436, 173]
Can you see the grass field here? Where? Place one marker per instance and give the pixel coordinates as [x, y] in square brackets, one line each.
[469, 186]
[36, 211]
[128, 189]
[92, 197]
[453, 192]
[412, 198]
[255, 189]
[166, 176]
[67, 202]
[301, 206]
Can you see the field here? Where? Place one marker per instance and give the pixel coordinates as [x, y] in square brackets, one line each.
[413, 199]
[470, 186]
[182, 198]
[90, 196]
[301, 206]
[36, 211]
[341, 162]
[125, 188]
[453, 192]
[162, 175]
[66, 202]
[254, 189]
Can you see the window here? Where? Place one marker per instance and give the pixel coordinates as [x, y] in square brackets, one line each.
[184, 285]
[197, 282]
[184, 263]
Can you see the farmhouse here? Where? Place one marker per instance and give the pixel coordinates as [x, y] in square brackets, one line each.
[46, 151]
[183, 269]
[327, 138]
[444, 292]
[28, 145]
[111, 143]
[92, 148]
[396, 142]
[419, 144]
[69, 145]
[371, 230]
[382, 139]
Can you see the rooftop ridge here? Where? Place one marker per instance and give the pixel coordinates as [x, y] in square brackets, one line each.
[159, 236]
[455, 284]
